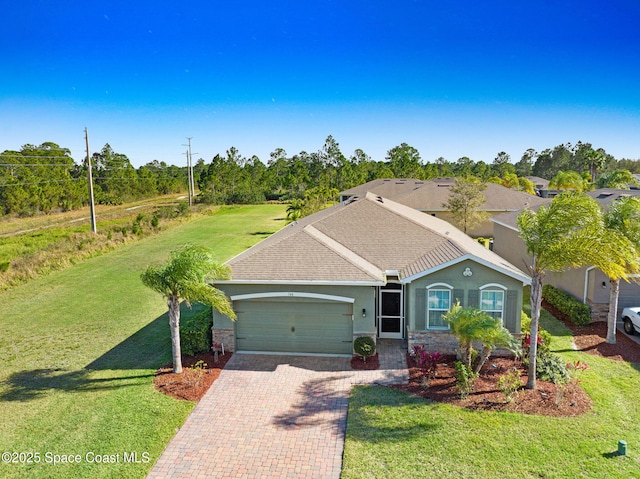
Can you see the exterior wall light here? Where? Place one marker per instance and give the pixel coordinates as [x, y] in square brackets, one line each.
[364, 312]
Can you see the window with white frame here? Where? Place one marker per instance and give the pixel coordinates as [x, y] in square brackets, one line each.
[438, 303]
[492, 302]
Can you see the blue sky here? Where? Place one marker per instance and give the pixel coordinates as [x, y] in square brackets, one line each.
[449, 78]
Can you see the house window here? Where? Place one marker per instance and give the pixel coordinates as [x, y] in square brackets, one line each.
[438, 303]
[492, 302]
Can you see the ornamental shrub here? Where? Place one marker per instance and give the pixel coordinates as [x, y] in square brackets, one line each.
[550, 367]
[195, 333]
[364, 346]
[577, 312]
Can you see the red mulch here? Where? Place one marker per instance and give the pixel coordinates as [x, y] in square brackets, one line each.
[548, 399]
[370, 364]
[590, 339]
[192, 384]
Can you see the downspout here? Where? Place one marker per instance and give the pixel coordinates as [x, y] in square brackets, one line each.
[586, 283]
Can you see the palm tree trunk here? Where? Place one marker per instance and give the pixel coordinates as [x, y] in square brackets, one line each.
[174, 322]
[536, 305]
[613, 310]
[486, 352]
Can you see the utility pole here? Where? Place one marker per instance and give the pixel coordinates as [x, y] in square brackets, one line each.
[189, 178]
[92, 208]
[192, 186]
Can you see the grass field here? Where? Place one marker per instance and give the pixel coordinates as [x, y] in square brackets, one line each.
[391, 434]
[80, 347]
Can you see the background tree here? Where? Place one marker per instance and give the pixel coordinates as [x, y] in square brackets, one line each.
[405, 162]
[524, 167]
[465, 199]
[618, 179]
[185, 277]
[622, 223]
[568, 180]
[565, 233]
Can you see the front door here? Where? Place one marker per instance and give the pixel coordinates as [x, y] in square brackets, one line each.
[390, 311]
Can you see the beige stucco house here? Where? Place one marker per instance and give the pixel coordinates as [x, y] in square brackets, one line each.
[589, 284]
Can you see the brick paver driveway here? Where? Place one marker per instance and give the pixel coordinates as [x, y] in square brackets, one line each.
[273, 417]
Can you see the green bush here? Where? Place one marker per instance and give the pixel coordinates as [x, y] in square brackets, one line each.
[195, 334]
[4, 266]
[364, 346]
[550, 367]
[577, 312]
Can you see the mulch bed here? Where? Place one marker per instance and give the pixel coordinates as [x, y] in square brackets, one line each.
[370, 364]
[590, 339]
[193, 383]
[548, 399]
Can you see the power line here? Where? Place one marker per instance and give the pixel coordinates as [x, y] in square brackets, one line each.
[40, 182]
[40, 164]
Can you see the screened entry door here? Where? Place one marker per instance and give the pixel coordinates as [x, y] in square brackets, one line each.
[391, 311]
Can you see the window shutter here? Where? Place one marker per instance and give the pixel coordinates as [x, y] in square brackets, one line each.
[420, 309]
[511, 312]
[474, 298]
[458, 295]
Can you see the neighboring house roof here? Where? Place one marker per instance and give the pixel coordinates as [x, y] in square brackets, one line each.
[431, 195]
[434, 194]
[604, 197]
[360, 241]
[540, 183]
[385, 187]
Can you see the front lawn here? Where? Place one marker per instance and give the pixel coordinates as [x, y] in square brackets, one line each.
[391, 434]
[80, 348]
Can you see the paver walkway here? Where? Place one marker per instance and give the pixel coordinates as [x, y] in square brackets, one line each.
[274, 417]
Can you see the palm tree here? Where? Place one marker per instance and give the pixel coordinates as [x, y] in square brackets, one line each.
[622, 222]
[618, 179]
[565, 233]
[568, 180]
[472, 324]
[295, 210]
[184, 277]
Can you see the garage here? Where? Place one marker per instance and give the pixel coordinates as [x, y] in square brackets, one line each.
[295, 323]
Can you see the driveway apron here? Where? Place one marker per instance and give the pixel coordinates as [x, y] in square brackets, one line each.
[270, 416]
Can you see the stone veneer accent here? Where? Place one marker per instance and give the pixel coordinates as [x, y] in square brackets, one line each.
[224, 336]
[435, 341]
[445, 342]
[599, 311]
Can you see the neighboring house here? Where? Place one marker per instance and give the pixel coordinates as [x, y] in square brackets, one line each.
[541, 187]
[430, 196]
[367, 266]
[589, 285]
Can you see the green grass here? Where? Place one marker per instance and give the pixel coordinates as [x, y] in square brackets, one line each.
[391, 434]
[80, 348]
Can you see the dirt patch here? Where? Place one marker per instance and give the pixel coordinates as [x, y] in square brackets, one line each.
[370, 364]
[547, 400]
[192, 383]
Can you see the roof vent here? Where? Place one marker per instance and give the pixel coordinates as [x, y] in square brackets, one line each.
[379, 198]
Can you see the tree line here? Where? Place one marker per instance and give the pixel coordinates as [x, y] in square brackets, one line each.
[45, 178]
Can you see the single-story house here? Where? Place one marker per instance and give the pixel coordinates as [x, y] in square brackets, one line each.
[430, 196]
[365, 267]
[589, 285]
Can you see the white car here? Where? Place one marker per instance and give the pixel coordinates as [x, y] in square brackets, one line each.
[631, 318]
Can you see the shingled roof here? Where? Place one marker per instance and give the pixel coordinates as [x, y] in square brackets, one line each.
[431, 195]
[358, 242]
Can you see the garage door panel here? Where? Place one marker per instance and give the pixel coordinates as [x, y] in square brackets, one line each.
[307, 327]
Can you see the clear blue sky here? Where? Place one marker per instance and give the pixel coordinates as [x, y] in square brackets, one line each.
[449, 78]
